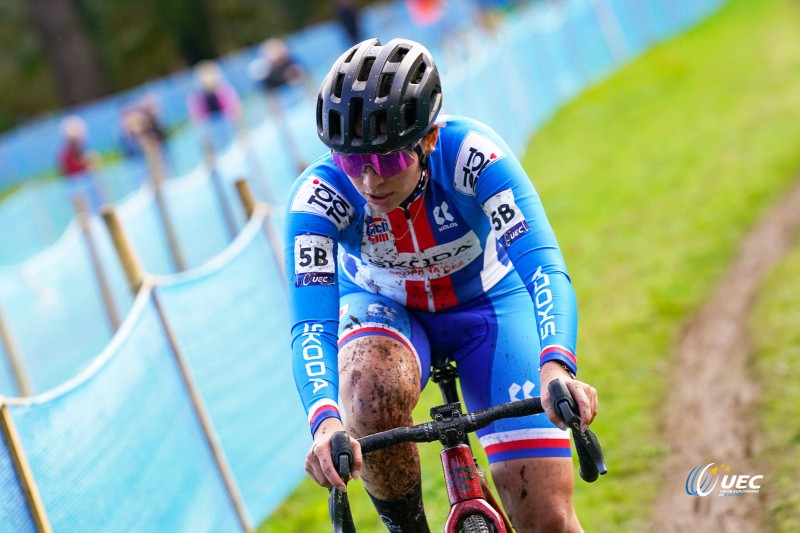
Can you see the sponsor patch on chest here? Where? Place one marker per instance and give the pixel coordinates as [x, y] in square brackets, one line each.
[475, 154]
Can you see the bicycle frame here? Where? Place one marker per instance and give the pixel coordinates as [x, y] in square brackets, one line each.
[467, 489]
[463, 482]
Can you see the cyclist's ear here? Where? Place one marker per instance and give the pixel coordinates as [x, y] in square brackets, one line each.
[429, 141]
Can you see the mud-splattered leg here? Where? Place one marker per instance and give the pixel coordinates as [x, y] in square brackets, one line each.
[379, 385]
[537, 494]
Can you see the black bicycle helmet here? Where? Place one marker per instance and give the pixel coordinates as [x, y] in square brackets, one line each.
[379, 98]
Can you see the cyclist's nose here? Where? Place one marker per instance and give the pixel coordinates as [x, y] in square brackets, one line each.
[370, 177]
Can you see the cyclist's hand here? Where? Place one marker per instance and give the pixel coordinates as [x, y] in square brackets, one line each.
[585, 395]
[319, 462]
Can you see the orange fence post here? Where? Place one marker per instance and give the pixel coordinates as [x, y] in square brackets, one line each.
[157, 176]
[127, 256]
[97, 266]
[255, 208]
[23, 471]
[20, 375]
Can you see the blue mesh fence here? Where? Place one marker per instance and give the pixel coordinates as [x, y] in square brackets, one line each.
[120, 447]
[237, 349]
[55, 308]
[229, 313]
[14, 514]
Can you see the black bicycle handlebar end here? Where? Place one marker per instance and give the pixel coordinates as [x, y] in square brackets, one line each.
[590, 455]
[342, 453]
[338, 503]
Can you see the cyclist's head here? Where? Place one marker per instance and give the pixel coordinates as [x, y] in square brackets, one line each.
[378, 98]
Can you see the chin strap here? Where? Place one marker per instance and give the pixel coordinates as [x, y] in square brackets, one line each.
[418, 190]
[423, 157]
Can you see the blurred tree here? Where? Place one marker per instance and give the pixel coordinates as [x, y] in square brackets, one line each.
[69, 50]
[26, 81]
[189, 23]
[126, 43]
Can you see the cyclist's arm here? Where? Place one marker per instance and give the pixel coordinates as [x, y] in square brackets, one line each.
[516, 215]
[317, 216]
[310, 252]
[518, 219]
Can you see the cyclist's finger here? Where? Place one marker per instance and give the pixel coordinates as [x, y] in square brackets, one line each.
[323, 454]
[582, 394]
[314, 470]
[358, 461]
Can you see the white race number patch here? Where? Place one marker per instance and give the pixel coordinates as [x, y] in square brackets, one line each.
[313, 260]
[475, 154]
[319, 197]
[506, 218]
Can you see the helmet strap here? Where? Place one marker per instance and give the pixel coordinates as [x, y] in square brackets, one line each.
[423, 157]
[421, 184]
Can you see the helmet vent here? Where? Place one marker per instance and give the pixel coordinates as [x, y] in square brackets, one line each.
[366, 66]
[356, 119]
[335, 126]
[337, 87]
[379, 126]
[320, 128]
[351, 54]
[409, 114]
[385, 85]
[418, 74]
[398, 55]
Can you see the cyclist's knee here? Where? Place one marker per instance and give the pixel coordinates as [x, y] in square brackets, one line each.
[378, 381]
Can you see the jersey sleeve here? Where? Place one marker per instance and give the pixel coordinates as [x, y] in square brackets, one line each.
[519, 223]
[317, 214]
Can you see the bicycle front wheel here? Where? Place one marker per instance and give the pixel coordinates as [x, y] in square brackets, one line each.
[475, 523]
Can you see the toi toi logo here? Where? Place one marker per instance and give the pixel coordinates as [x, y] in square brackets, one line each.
[702, 480]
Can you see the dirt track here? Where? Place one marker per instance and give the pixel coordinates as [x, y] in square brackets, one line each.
[709, 414]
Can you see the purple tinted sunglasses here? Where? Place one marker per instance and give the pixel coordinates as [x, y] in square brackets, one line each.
[385, 165]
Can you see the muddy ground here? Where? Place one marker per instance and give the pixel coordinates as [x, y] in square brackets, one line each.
[710, 410]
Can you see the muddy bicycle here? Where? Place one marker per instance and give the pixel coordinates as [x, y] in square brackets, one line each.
[473, 507]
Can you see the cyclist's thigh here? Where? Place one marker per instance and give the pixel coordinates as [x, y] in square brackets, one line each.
[505, 368]
[363, 314]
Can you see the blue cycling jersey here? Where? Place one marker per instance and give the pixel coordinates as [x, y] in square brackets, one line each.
[477, 221]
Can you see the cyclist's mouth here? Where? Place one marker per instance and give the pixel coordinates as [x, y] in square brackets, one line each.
[378, 199]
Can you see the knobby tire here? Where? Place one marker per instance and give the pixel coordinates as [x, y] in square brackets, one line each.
[475, 524]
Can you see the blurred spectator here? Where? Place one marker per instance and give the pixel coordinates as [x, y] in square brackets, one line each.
[215, 106]
[74, 158]
[277, 68]
[77, 163]
[425, 12]
[347, 13]
[140, 124]
[274, 70]
[214, 97]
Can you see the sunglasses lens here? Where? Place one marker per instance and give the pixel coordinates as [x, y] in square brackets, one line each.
[385, 165]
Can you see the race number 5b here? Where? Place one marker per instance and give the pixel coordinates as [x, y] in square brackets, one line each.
[313, 260]
[502, 216]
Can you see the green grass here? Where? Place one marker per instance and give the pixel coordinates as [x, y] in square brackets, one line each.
[776, 365]
[650, 180]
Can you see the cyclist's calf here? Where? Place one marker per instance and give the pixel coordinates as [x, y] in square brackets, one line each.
[379, 385]
[537, 494]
